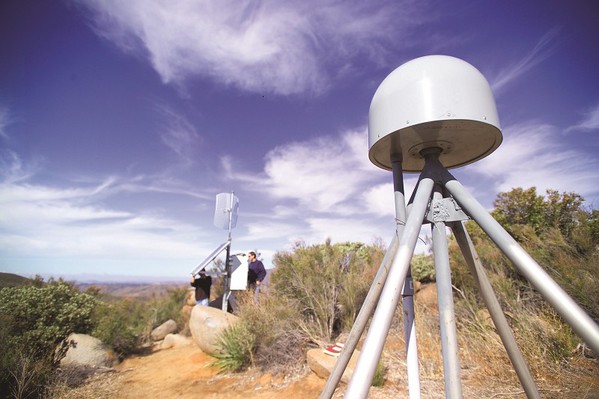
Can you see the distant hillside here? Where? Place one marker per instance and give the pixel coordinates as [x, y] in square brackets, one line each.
[130, 290]
[12, 280]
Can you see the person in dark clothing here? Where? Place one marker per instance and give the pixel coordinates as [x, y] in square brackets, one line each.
[202, 285]
[256, 271]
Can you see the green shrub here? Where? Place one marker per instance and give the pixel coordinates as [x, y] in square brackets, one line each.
[168, 307]
[279, 344]
[236, 345]
[34, 320]
[124, 325]
[378, 380]
[559, 234]
[423, 268]
[43, 317]
[327, 283]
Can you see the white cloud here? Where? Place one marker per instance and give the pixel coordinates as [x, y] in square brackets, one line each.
[53, 222]
[40, 221]
[93, 226]
[259, 46]
[268, 230]
[590, 122]
[323, 175]
[345, 229]
[535, 155]
[380, 199]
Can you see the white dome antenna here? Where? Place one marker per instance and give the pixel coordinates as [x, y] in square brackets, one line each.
[433, 101]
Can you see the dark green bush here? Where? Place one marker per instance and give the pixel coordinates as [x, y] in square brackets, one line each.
[169, 307]
[126, 323]
[34, 320]
[123, 325]
[43, 317]
[423, 268]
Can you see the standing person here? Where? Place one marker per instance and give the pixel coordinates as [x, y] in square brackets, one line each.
[202, 286]
[256, 272]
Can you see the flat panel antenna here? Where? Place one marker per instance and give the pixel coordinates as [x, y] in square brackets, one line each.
[225, 211]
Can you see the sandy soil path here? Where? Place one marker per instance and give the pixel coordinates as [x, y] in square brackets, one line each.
[185, 372]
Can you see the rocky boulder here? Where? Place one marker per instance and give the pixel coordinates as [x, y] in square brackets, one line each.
[322, 364]
[168, 327]
[87, 351]
[205, 325]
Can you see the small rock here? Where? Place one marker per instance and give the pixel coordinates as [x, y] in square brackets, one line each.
[322, 364]
[174, 341]
[168, 327]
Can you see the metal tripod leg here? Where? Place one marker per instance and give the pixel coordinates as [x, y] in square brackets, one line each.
[373, 345]
[573, 314]
[407, 291]
[486, 290]
[449, 340]
[407, 303]
[361, 320]
[373, 297]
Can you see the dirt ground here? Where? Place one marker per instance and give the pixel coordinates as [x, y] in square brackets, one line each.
[185, 372]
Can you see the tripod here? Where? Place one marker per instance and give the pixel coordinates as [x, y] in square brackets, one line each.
[448, 203]
[404, 114]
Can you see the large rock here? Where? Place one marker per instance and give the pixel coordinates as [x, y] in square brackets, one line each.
[206, 323]
[87, 351]
[168, 327]
[322, 364]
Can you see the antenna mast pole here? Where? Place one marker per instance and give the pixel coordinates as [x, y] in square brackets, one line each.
[227, 282]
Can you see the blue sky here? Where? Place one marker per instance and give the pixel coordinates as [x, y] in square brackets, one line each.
[120, 121]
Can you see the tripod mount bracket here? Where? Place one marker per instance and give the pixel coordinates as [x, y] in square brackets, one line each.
[445, 210]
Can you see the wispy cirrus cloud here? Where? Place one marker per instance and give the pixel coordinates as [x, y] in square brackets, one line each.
[180, 136]
[539, 53]
[589, 122]
[73, 220]
[258, 46]
[4, 121]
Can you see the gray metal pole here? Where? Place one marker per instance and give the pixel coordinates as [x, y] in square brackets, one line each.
[227, 282]
[407, 300]
[379, 327]
[503, 328]
[361, 320]
[407, 292]
[582, 323]
[449, 339]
